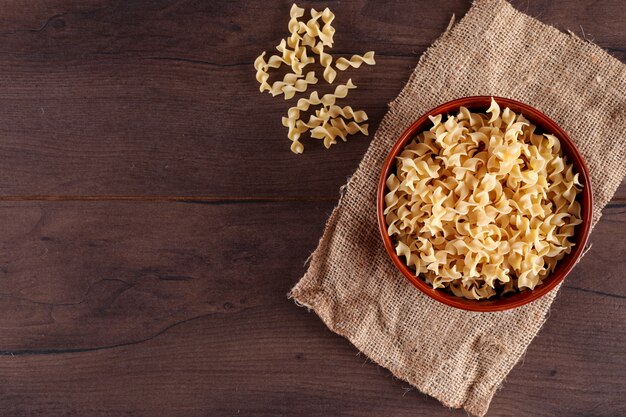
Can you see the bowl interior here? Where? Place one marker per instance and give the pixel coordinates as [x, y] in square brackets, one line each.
[565, 265]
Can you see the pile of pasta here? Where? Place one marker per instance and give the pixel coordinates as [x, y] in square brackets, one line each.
[482, 204]
[329, 121]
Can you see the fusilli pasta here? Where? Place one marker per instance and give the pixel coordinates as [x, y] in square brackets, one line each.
[329, 121]
[482, 204]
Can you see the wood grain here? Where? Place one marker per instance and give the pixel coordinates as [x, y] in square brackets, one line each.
[153, 219]
[124, 271]
[161, 302]
[116, 98]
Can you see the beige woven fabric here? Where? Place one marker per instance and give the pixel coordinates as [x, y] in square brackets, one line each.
[460, 357]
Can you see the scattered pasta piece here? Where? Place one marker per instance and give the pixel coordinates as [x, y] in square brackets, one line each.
[346, 112]
[261, 72]
[326, 61]
[351, 128]
[295, 13]
[330, 121]
[341, 91]
[355, 61]
[481, 204]
[336, 127]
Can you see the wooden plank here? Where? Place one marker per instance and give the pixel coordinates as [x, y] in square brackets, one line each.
[277, 360]
[620, 194]
[126, 308]
[100, 103]
[114, 263]
[575, 366]
[136, 134]
[231, 33]
[159, 98]
[79, 275]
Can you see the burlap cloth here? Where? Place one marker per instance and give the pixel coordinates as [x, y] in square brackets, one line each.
[460, 357]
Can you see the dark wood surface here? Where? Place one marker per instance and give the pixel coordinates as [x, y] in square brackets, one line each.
[153, 219]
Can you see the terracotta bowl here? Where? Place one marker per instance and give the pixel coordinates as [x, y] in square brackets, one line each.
[565, 265]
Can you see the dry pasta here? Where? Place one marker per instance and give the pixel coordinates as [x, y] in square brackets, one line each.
[327, 100]
[337, 127]
[326, 61]
[355, 61]
[329, 121]
[261, 72]
[291, 87]
[291, 82]
[482, 204]
[327, 32]
[297, 57]
[294, 14]
[346, 112]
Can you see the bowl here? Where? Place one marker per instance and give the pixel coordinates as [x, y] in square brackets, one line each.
[564, 266]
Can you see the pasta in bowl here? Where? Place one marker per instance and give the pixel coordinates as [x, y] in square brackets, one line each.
[484, 204]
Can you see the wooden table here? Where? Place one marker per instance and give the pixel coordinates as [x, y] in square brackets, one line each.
[153, 219]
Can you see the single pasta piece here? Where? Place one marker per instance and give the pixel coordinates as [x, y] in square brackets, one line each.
[334, 127]
[261, 72]
[355, 61]
[295, 13]
[482, 204]
[351, 128]
[346, 112]
[326, 61]
[341, 91]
